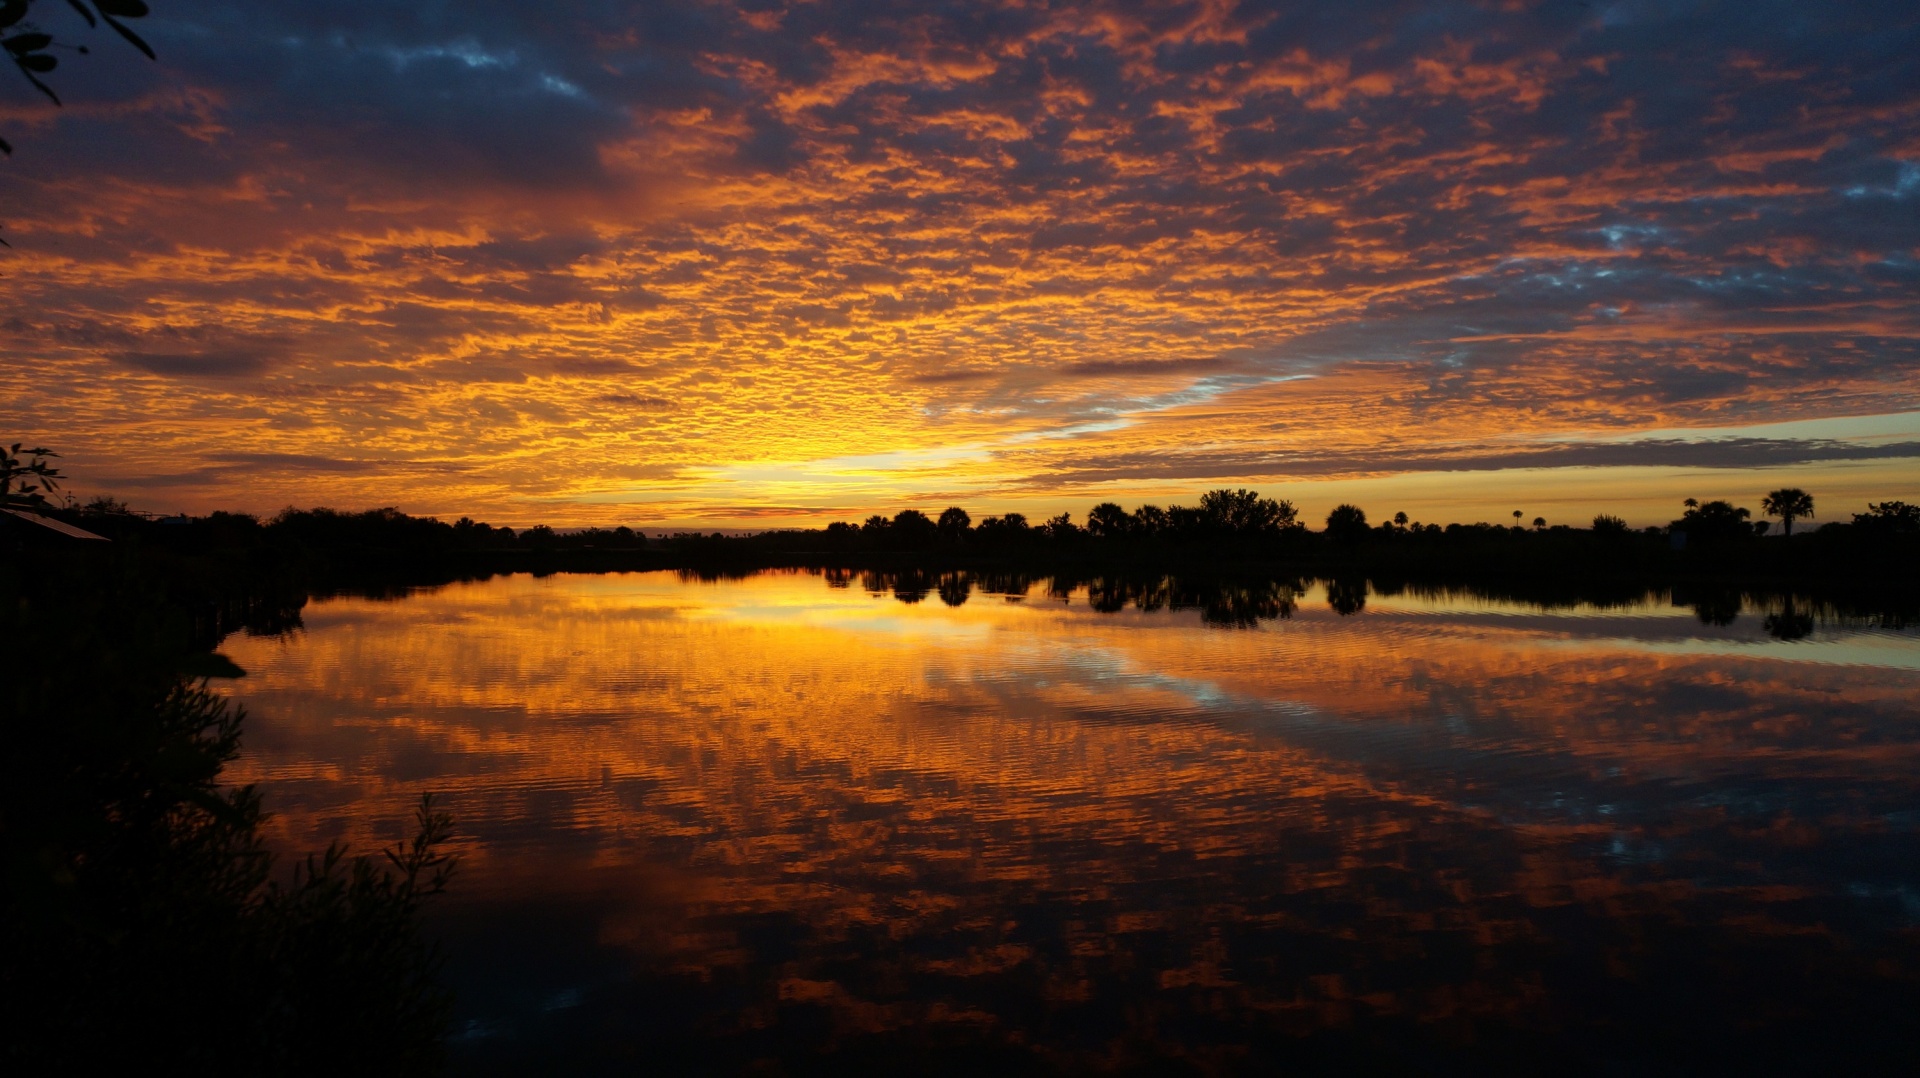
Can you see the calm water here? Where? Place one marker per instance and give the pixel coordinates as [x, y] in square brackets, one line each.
[801, 822]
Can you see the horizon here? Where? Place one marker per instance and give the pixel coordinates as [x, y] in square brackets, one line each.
[758, 266]
[1308, 520]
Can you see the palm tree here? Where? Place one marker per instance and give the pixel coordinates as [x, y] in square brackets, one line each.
[1789, 504]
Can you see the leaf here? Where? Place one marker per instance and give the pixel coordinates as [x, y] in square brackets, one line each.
[21, 44]
[39, 61]
[12, 11]
[6, 148]
[130, 36]
[125, 9]
[82, 9]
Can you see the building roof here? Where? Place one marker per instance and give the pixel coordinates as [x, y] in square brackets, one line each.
[60, 526]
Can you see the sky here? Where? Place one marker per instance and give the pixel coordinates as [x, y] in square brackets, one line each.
[772, 264]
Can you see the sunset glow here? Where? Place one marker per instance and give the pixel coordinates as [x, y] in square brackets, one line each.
[770, 264]
[744, 782]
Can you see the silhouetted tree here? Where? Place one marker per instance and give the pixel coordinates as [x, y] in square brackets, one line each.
[1108, 521]
[912, 530]
[1714, 520]
[953, 524]
[1892, 518]
[1244, 513]
[1604, 524]
[1347, 524]
[1789, 504]
[1186, 522]
[1150, 520]
[1003, 530]
[1062, 528]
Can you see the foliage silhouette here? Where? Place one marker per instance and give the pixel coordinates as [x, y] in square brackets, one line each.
[26, 477]
[1789, 504]
[29, 45]
[1889, 518]
[1004, 531]
[1108, 521]
[954, 523]
[1347, 524]
[910, 529]
[1062, 529]
[1245, 513]
[1714, 521]
[142, 920]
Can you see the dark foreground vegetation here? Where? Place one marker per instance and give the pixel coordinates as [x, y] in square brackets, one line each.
[144, 927]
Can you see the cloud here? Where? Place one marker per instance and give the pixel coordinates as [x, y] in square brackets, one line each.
[300, 462]
[1724, 453]
[559, 245]
[211, 364]
[1106, 367]
[638, 401]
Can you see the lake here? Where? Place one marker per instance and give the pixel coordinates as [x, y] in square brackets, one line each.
[828, 822]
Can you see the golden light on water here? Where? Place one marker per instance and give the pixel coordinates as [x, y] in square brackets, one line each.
[691, 755]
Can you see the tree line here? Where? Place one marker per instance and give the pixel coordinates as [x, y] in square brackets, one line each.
[1237, 519]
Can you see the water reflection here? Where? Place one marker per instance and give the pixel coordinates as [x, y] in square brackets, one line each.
[1118, 822]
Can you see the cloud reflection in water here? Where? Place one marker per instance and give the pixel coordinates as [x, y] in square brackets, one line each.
[769, 818]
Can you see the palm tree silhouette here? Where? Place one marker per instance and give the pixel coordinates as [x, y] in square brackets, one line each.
[1789, 504]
